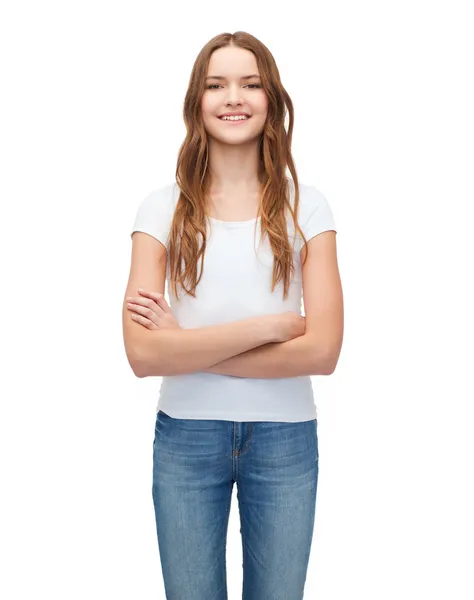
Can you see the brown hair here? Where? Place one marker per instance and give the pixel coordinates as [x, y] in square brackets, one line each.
[192, 176]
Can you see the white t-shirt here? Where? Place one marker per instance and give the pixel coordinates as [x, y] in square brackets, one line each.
[235, 285]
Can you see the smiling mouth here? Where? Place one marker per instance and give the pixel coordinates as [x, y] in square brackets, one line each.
[234, 121]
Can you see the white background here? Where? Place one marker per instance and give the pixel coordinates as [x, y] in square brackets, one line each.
[91, 122]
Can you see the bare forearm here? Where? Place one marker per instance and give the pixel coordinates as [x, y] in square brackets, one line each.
[176, 351]
[294, 358]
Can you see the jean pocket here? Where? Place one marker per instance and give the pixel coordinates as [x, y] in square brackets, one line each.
[159, 421]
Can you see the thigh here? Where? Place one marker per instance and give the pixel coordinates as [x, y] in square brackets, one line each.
[192, 490]
[276, 490]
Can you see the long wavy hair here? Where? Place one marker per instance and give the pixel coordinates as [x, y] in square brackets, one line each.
[192, 173]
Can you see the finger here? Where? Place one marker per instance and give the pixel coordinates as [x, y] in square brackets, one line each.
[141, 320]
[158, 298]
[151, 304]
[146, 311]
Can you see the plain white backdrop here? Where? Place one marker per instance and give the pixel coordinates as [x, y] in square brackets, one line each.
[91, 122]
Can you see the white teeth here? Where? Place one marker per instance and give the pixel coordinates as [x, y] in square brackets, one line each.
[239, 118]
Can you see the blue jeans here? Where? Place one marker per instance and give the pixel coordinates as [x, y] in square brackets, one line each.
[195, 465]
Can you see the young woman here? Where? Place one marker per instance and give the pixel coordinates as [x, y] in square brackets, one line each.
[236, 403]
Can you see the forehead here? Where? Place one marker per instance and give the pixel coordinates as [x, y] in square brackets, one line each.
[232, 62]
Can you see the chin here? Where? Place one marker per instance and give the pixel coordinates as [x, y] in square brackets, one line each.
[236, 136]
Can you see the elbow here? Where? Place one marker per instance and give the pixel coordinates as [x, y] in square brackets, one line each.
[137, 364]
[329, 370]
[330, 362]
[324, 368]
[324, 355]
[143, 355]
[142, 367]
[325, 362]
[321, 365]
[138, 371]
[146, 360]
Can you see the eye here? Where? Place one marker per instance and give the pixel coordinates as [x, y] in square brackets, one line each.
[216, 85]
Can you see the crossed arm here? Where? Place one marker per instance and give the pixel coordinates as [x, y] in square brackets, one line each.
[281, 359]
[314, 353]
[317, 351]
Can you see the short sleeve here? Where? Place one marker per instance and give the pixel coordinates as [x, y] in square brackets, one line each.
[315, 214]
[155, 213]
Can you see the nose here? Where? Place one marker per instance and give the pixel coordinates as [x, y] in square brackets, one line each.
[234, 95]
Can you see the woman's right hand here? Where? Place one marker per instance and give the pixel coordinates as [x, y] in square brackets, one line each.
[288, 325]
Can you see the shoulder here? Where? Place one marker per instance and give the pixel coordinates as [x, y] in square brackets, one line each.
[154, 213]
[310, 196]
[161, 199]
[311, 200]
[314, 211]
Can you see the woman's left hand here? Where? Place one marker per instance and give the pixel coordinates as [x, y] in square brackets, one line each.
[151, 310]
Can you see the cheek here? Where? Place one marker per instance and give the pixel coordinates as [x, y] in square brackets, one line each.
[207, 105]
[262, 103]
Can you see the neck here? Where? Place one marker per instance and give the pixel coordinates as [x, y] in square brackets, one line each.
[233, 169]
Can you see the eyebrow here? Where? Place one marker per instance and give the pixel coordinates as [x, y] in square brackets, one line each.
[222, 78]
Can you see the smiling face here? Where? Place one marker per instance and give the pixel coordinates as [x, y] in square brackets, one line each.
[229, 89]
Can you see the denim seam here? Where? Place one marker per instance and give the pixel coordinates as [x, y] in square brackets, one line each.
[246, 447]
[228, 513]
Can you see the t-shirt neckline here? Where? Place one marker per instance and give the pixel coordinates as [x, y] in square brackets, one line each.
[247, 222]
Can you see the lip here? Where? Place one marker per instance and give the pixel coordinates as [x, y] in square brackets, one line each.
[238, 122]
[234, 114]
